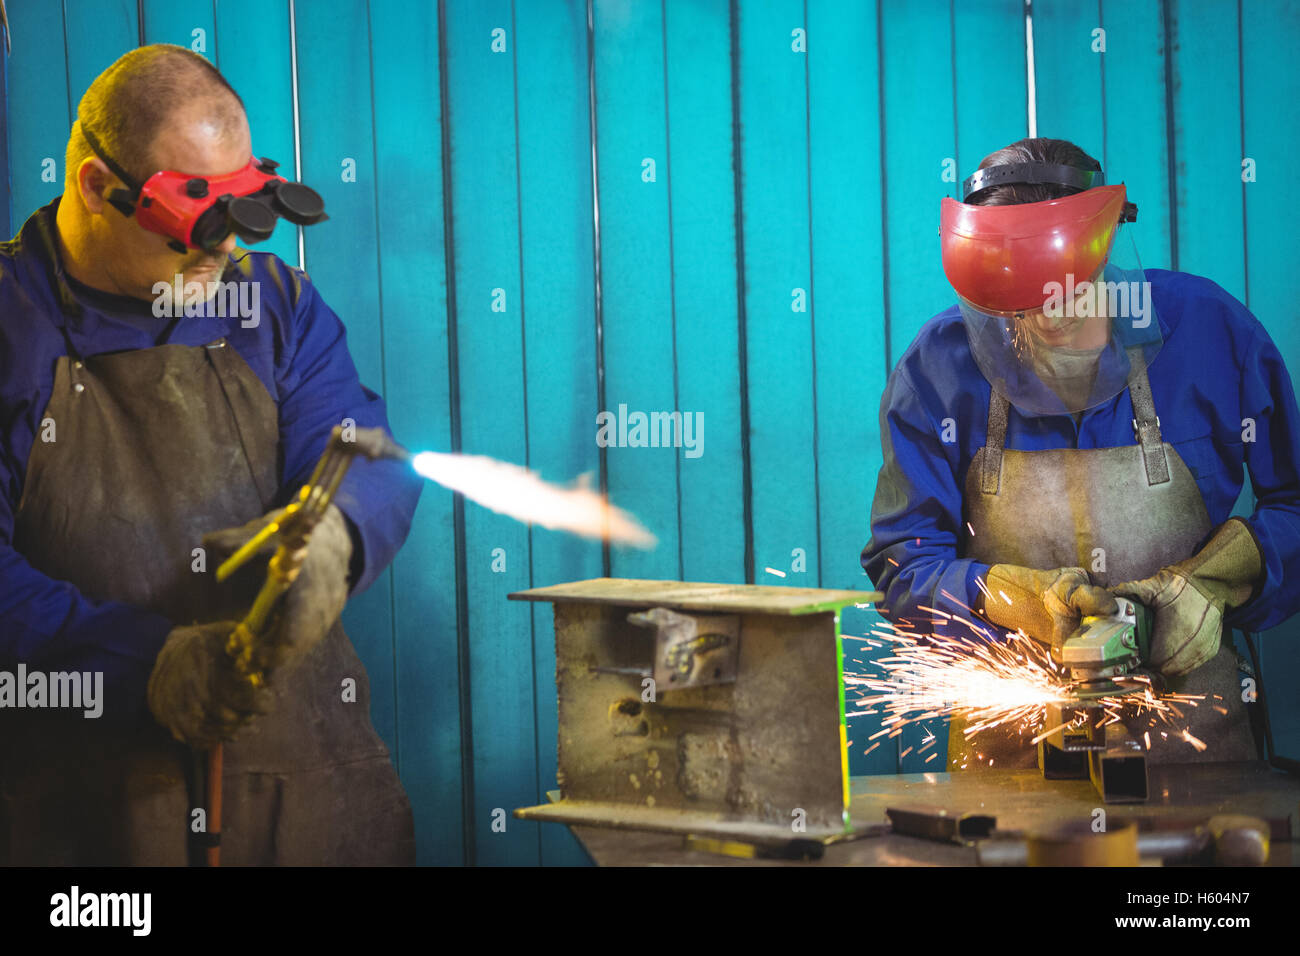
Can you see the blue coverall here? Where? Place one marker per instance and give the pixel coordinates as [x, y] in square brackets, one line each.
[298, 349]
[1224, 399]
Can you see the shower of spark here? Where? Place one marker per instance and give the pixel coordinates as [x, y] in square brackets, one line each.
[927, 676]
[521, 494]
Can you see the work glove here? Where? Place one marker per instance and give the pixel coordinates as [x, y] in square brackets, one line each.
[1190, 598]
[314, 602]
[1046, 605]
[194, 690]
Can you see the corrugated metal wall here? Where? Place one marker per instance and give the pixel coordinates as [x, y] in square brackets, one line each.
[767, 177]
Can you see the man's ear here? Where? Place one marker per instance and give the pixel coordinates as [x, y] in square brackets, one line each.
[93, 182]
[100, 187]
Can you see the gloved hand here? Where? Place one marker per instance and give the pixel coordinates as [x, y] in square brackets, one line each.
[194, 691]
[315, 600]
[1190, 598]
[1046, 605]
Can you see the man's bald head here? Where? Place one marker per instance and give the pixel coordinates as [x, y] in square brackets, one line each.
[129, 106]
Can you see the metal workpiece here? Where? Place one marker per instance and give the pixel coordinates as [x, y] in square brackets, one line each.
[1086, 743]
[1118, 767]
[937, 823]
[710, 710]
[691, 650]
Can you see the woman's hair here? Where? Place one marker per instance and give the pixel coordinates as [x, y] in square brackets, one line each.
[1060, 152]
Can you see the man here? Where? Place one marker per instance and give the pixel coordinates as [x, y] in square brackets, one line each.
[130, 429]
[1051, 441]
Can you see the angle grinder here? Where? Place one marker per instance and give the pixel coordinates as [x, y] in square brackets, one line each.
[1104, 657]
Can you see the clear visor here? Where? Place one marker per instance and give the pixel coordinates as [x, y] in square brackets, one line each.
[1077, 351]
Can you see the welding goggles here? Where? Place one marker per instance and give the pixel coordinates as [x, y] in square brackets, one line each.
[1029, 276]
[201, 211]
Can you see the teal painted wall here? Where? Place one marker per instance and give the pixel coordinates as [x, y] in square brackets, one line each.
[766, 245]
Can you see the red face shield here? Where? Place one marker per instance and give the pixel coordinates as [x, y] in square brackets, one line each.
[1004, 259]
[199, 212]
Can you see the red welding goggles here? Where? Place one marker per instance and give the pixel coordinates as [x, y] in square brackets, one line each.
[201, 211]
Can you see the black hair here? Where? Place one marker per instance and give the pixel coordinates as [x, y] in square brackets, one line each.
[1060, 152]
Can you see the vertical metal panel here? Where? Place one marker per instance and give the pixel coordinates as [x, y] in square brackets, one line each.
[919, 129]
[413, 288]
[989, 80]
[1067, 77]
[175, 21]
[1137, 141]
[698, 96]
[989, 102]
[1270, 37]
[343, 258]
[39, 114]
[555, 219]
[96, 32]
[5, 167]
[1207, 141]
[485, 216]
[774, 142]
[846, 204]
[636, 270]
[252, 51]
[920, 144]
[1105, 91]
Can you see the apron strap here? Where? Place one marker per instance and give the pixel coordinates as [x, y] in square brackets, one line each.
[991, 471]
[1146, 426]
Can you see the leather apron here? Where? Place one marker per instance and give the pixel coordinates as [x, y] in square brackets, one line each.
[153, 448]
[1052, 509]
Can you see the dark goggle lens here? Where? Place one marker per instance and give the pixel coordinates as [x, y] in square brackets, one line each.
[251, 219]
[300, 204]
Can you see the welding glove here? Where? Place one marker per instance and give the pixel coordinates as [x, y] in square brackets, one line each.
[1046, 605]
[1190, 598]
[194, 690]
[314, 602]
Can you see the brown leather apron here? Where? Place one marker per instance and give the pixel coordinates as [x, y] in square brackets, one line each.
[153, 448]
[1052, 509]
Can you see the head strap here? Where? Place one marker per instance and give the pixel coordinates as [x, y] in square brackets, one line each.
[1037, 174]
[123, 199]
[1030, 174]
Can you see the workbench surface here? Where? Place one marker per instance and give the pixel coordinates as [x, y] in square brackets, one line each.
[1019, 799]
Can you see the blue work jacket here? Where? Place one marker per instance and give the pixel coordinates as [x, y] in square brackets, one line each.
[1224, 399]
[298, 348]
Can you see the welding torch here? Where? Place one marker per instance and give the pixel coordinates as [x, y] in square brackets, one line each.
[294, 526]
[247, 647]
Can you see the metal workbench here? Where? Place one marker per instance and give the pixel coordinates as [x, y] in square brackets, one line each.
[1019, 799]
